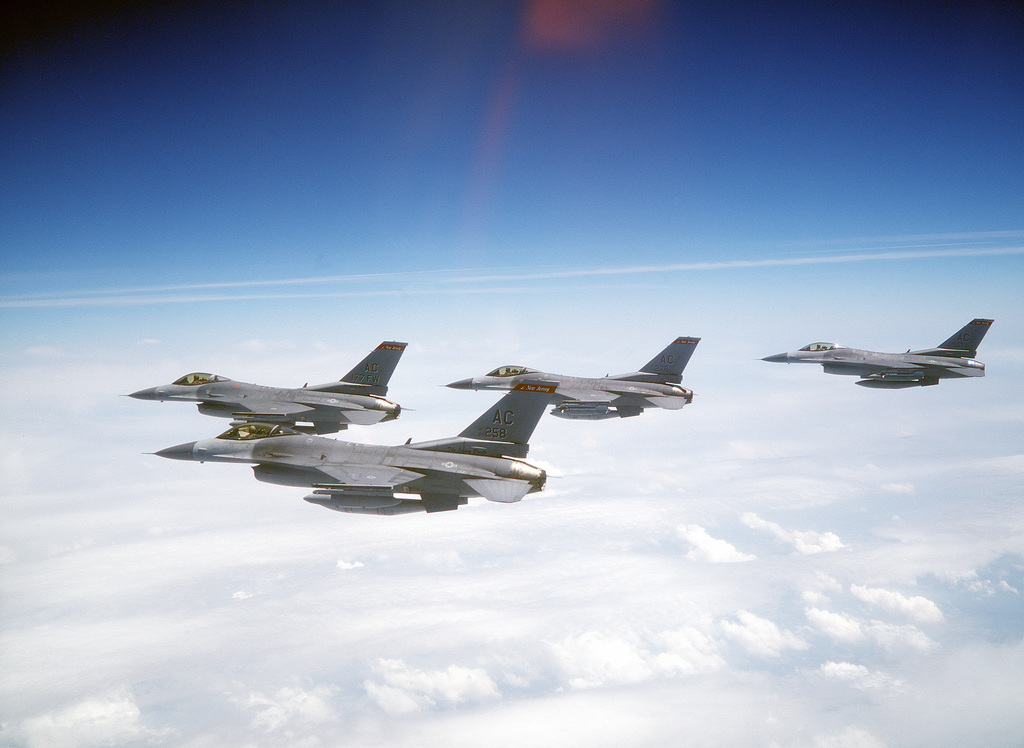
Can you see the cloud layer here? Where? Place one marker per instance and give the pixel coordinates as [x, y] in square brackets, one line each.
[784, 576]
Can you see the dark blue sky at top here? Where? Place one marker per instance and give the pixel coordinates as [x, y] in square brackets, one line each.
[231, 141]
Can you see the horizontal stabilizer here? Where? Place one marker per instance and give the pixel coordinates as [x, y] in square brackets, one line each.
[505, 491]
[668, 403]
[363, 416]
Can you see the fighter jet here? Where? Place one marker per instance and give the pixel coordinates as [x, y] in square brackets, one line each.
[952, 359]
[655, 385]
[321, 409]
[363, 478]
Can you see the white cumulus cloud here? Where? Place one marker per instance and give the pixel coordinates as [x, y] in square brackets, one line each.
[813, 597]
[845, 629]
[292, 705]
[709, 549]
[761, 637]
[594, 659]
[859, 676]
[687, 650]
[835, 625]
[894, 638]
[108, 719]
[804, 541]
[918, 608]
[400, 688]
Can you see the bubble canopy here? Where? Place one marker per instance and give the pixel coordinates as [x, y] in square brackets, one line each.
[249, 431]
[821, 347]
[510, 371]
[198, 377]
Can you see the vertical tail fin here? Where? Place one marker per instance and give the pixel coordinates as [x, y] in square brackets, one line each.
[514, 417]
[376, 369]
[967, 338]
[669, 364]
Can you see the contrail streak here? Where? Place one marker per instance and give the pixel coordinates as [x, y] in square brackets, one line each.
[463, 281]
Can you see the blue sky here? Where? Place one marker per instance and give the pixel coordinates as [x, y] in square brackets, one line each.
[267, 191]
[272, 138]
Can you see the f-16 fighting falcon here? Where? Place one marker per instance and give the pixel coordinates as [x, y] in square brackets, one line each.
[655, 385]
[363, 478]
[321, 409]
[953, 359]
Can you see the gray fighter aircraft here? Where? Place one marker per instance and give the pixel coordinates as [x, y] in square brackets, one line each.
[655, 385]
[952, 359]
[321, 409]
[363, 478]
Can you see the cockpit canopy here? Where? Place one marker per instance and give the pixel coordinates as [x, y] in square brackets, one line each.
[197, 377]
[247, 431]
[510, 371]
[820, 347]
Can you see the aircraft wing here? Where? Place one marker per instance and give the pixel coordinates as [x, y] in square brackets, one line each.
[277, 410]
[581, 395]
[369, 475]
[274, 408]
[606, 390]
[617, 387]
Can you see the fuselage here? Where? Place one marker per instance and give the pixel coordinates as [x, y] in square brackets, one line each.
[611, 389]
[857, 362]
[307, 460]
[226, 398]
[887, 370]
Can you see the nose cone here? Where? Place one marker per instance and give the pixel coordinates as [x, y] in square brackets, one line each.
[778, 358]
[462, 384]
[146, 394]
[178, 452]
